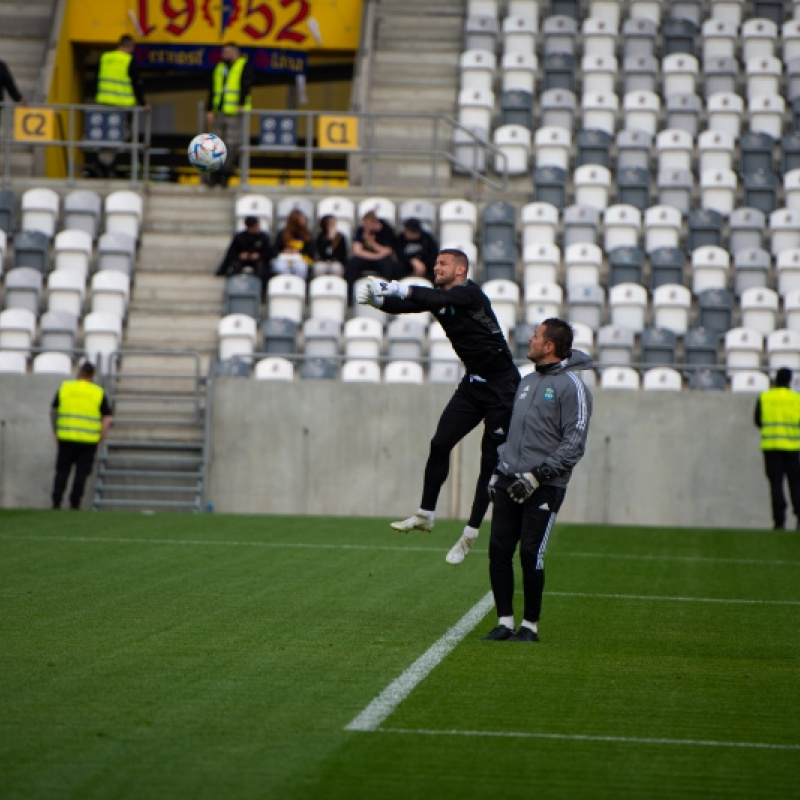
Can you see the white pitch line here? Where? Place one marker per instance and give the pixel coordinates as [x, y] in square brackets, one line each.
[667, 599]
[688, 559]
[578, 737]
[387, 701]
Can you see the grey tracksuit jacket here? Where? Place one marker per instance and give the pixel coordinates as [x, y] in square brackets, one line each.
[549, 421]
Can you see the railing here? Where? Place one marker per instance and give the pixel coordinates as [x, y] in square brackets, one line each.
[71, 141]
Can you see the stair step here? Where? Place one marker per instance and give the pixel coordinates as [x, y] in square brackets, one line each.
[145, 473]
[156, 445]
[146, 504]
[107, 487]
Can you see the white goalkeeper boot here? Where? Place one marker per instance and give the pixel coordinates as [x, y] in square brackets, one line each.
[421, 521]
[460, 550]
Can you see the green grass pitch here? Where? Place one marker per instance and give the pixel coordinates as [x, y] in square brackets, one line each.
[222, 657]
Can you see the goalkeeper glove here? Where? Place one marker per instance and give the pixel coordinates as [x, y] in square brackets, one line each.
[523, 487]
[491, 487]
[391, 289]
[368, 297]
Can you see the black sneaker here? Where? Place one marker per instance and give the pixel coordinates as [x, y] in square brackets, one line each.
[524, 634]
[499, 634]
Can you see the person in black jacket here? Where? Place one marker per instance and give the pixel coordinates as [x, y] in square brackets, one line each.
[416, 250]
[249, 251]
[485, 393]
[331, 248]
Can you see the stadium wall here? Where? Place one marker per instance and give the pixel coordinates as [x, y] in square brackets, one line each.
[350, 449]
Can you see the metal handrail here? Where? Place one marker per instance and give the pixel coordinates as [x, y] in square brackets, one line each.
[140, 151]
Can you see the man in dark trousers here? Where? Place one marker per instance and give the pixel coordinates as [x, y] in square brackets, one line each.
[778, 415]
[485, 394]
[81, 417]
[416, 250]
[546, 439]
[249, 251]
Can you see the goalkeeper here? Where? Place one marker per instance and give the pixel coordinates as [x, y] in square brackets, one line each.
[546, 439]
[485, 393]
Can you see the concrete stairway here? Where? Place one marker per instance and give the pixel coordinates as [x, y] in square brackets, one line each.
[414, 70]
[24, 32]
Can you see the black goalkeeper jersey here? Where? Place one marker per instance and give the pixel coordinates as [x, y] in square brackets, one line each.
[468, 319]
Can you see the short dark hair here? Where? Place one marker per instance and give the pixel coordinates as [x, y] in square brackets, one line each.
[560, 334]
[459, 255]
[125, 40]
[783, 377]
[250, 221]
[86, 370]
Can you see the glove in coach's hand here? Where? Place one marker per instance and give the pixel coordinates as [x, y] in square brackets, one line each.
[523, 487]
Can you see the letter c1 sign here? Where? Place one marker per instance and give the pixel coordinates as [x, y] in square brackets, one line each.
[338, 132]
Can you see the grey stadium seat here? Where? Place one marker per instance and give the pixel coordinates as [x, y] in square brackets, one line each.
[499, 223]
[586, 304]
[638, 37]
[32, 249]
[626, 265]
[116, 251]
[317, 369]
[721, 75]
[279, 336]
[558, 34]
[715, 307]
[580, 225]
[700, 346]
[658, 346]
[790, 150]
[751, 268]
[8, 204]
[640, 74]
[678, 37]
[667, 265]
[23, 289]
[499, 260]
[761, 190]
[243, 295]
[615, 345]
[233, 368]
[82, 210]
[705, 228]
[634, 150]
[756, 149]
[59, 331]
[633, 187]
[707, 380]
[593, 147]
[516, 108]
[550, 186]
[747, 226]
[559, 71]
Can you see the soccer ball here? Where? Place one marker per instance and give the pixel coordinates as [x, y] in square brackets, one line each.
[207, 152]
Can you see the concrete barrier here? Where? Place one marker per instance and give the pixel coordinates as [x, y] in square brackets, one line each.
[352, 449]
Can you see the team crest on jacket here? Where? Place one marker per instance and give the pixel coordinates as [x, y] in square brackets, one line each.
[549, 393]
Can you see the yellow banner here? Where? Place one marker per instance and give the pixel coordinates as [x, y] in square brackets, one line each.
[285, 24]
[34, 124]
[338, 132]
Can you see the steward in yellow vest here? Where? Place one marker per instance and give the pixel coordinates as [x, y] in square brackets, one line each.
[778, 415]
[81, 417]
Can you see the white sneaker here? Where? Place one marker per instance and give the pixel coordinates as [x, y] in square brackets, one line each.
[458, 552]
[416, 522]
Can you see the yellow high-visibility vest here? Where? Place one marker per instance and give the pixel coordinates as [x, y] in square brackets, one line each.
[114, 87]
[79, 418]
[227, 84]
[780, 419]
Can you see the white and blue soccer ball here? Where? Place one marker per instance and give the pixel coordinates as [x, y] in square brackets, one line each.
[207, 152]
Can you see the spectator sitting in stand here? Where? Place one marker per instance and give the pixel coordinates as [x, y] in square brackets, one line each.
[416, 250]
[248, 252]
[331, 248]
[294, 247]
[373, 251]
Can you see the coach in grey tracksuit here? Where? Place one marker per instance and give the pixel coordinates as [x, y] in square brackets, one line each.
[546, 439]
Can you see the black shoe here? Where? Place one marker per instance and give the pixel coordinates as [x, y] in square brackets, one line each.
[499, 634]
[524, 634]
[779, 526]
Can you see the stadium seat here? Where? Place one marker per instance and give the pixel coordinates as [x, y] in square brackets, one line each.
[516, 101]
[40, 210]
[254, 205]
[382, 207]
[542, 301]
[558, 109]
[619, 378]
[667, 266]
[457, 220]
[614, 345]
[751, 381]
[273, 368]
[236, 335]
[766, 114]
[520, 340]
[286, 296]
[763, 76]
[724, 113]
[784, 226]
[65, 292]
[82, 209]
[791, 310]
[439, 347]
[700, 347]
[519, 33]
[321, 338]
[586, 305]
[715, 149]
[403, 372]
[58, 331]
[499, 223]
[116, 251]
[423, 210]
[788, 269]
[592, 184]
[790, 146]
[715, 310]
[599, 37]
[705, 229]
[683, 112]
[363, 338]
[678, 36]
[102, 336]
[7, 211]
[676, 188]
[639, 32]
[783, 349]
[640, 74]
[622, 225]
[514, 143]
[279, 336]
[477, 69]
[662, 227]
[559, 33]
[728, 10]
[759, 38]
[475, 108]
[593, 147]
[73, 251]
[707, 380]
[662, 379]
[327, 298]
[109, 292]
[499, 261]
[756, 152]
[628, 306]
[718, 190]
[671, 306]
[23, 289]
[583, 263]
[405, 339]
[361, 370]
[31, 249]
[759, 309]
[481, 33]
[449, 372]
[343, 209]
[710, 268]
[747, 226]
[582, 338]
[3, 249]
[540, 263]
[235, 367]
[640, 110]
[599, 73]
[12, 362]
[550, 186]
[123, 213]
[634, 151]
[243, 295]
[658, 346]
[17, 329]
[675, 150]
[504, 297]
[679, 74]
[751, 268]
[743, 349]
[633, 187]
[580, 223]
[286, 205]
[719, 39]
[539, 224]
[625, 265]
[553, 146]
[469, 149]
[599, 111]
[52, 364]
